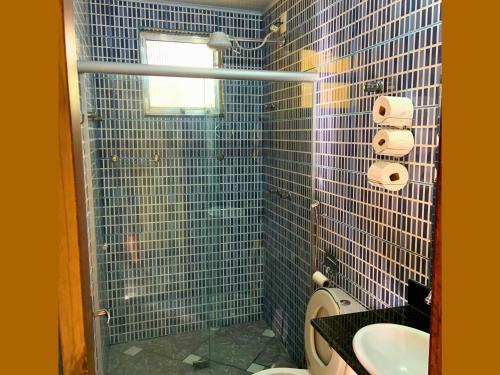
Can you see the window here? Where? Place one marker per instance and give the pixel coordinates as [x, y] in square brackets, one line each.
[173, 95]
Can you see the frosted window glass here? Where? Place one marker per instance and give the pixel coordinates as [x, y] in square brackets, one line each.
[180, 93]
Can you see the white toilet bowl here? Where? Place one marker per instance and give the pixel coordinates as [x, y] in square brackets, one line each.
[321, 358]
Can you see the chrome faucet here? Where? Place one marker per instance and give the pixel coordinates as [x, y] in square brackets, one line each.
[428, 298]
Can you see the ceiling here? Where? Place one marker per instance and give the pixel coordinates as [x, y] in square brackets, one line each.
[256, 5]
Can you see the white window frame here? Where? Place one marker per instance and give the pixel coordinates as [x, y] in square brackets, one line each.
[184, 38]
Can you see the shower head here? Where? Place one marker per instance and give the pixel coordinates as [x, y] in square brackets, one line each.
[219, 41]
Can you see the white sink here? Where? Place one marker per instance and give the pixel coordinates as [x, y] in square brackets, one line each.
[387, 349]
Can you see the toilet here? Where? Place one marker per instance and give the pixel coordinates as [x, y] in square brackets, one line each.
[321, 359]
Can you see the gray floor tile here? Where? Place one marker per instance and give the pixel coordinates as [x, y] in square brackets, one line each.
[233, 350]
[116, 358]
[236, 345]
[179, 346]
[252, 328]
[203, 350]
[274, 355]
[236, 349]
[148, 363]
[216, 369]
[254, 368]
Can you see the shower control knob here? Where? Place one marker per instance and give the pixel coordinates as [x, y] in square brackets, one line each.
[114, 158]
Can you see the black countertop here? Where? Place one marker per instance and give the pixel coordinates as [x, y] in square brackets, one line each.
[339, 330]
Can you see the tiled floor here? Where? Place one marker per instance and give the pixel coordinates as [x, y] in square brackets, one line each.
[235, 350]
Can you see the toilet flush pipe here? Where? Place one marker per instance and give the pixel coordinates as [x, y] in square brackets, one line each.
[315, 205]
[314, 241]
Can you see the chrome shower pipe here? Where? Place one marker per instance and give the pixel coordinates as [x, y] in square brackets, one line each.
[257, 40]
[190, 72]
[314, 222]
[315, 204]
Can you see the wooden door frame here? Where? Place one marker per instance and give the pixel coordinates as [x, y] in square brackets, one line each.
[435, 351]
[68, 61]
[70, 139]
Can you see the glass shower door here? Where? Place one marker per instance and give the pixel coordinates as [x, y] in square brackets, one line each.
[175, 207]
[153, 212]
[239, 337]
[263, 169]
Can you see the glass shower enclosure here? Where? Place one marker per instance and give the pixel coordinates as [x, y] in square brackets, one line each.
[174, 212]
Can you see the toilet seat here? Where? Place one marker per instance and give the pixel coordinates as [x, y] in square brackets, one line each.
[321, 358]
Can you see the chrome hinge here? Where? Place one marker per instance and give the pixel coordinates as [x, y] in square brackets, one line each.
[428, 299]
[103, 312]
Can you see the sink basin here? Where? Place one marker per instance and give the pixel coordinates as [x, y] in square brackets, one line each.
[387, 349]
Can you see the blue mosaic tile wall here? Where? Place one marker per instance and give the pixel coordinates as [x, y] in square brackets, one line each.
[182, 237]
[287, 168]
[381, 238]
[224, 224]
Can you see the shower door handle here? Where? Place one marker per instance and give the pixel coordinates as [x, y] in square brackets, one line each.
[103, 312]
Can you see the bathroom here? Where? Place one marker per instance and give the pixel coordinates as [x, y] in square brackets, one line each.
[270, 141]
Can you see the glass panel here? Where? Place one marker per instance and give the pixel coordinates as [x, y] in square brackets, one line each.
[154, 193]
[184, 93]
[178, 221]
[244, 337]
[175, 92]
[177, 95]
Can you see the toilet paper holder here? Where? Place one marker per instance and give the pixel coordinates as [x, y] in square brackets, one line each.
[331, 267]
[376, 86]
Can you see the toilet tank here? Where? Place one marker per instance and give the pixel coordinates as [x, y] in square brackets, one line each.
[347, 304]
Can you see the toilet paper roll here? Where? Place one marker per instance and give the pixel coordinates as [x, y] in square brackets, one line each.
[392, 142]
[388, 175]
[393, 111]
[320, 279]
